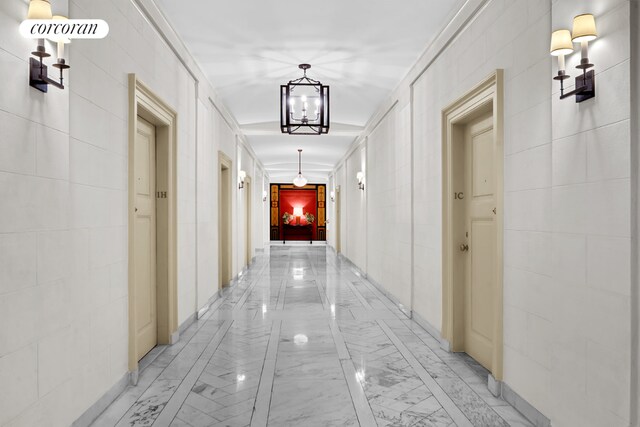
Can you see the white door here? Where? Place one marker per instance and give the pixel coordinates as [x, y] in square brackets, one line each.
[480, 282]
[145, 238]
[225, 226]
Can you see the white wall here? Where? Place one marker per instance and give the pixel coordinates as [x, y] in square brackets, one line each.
[590, 221]
[635, 184]
[354, 226]
[389, 202]
[245, 163]
[339, 177]
[63, 216]
[567, 261]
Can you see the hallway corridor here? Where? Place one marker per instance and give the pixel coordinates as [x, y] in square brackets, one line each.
[294, 343]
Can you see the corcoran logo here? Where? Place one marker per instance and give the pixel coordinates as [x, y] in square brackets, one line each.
[70, 29]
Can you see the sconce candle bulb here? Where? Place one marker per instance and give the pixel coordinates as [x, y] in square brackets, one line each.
[561, 45]
[61, 41]
[584, 31]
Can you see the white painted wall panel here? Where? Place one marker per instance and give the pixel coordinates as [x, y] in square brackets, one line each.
[355, 202]
[389, 203]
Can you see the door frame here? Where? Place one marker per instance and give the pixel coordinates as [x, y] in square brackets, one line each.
[248, 189]
[338, 212]
[484, 97]
[226, 162]
[143, 102]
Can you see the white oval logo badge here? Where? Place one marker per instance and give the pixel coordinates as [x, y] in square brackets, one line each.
[69, 28]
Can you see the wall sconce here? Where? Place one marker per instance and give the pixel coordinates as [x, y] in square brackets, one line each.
[242, 176]
[584, 31]
[332, 195]
[264, 195]
[360, 177]
[38, 72]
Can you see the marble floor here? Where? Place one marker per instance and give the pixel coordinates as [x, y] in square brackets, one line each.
[303, 340]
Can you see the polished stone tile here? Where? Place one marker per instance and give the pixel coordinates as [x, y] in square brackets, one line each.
[194, 417]
[309, 367]
[146, 409]
[312, 403]
[301, 339]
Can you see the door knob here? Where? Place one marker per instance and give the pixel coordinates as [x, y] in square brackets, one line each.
[464, 247]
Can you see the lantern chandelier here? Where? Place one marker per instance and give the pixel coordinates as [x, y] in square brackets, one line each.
[295, 99]
[299, 180]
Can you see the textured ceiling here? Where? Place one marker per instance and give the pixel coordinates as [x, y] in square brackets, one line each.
[361, 48]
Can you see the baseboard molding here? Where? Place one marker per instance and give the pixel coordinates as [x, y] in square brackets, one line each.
[406, 311]
[534, 416]
[90, 415]
[241, 273]
[147, 360]
[494, 385]
[357, 269]
[432, 330]
[208, 305]
[378, 286]
[175, 337]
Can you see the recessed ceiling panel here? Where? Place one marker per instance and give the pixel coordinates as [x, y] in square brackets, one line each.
[360, 48]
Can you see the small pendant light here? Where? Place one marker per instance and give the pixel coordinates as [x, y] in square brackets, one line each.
[299, 180]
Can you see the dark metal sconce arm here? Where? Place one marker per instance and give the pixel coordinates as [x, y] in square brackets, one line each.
[576, 91]
[573, 92]
[49, 80]
[585, 84]
[38, 75]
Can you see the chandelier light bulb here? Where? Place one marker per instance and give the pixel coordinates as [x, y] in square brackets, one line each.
[317, 102]
[304, 98]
